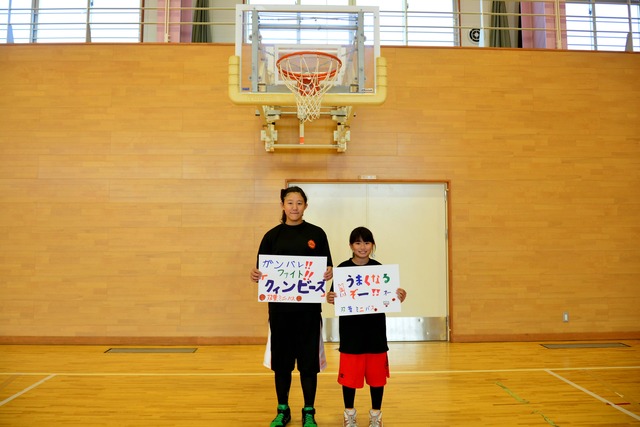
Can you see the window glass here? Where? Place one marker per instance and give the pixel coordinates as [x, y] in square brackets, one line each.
[601, 25]
[325, 2]
[66, 22]
[579, 26]
[392, 20]
[421, 23]
[57, 24]
[430, 6]
[610, 31]
[278, 2]
[286, 35]
[386, 5]
[115, 21]
[431, 23]
[590, 24]
[20, 19]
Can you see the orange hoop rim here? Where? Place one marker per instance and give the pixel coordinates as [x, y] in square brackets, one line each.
[319, 75]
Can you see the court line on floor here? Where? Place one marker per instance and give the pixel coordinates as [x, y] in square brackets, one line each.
[326, 372]
[602, 399]
[483, 371]
[31, 387]
[144, 374]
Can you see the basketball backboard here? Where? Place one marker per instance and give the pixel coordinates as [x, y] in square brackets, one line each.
[266, 33]
[307, 62]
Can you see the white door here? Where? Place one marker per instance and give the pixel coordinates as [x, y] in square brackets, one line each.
[409, 224]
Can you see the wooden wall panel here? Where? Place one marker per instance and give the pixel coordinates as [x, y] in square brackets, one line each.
[134, 194]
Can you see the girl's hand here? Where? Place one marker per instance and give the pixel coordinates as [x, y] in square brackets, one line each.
[255, 274]
[328, 275]
[402, 294]
[331, 297]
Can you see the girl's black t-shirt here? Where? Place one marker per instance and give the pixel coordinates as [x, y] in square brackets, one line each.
[363, 333]
[304, 239]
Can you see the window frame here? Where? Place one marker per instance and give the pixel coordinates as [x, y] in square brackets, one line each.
[593, 19]
[73, 31]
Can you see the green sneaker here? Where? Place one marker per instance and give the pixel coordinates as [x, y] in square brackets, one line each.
[283, 417]
[308, 419]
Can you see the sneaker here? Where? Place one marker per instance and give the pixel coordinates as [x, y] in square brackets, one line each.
[283, 417]
[375, 419]
[350, 418]
[308, 419]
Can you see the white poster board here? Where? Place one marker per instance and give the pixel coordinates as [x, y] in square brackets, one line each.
[366, 289]
[292, 279]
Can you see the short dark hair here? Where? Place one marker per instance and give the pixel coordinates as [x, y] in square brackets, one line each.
[361, 233]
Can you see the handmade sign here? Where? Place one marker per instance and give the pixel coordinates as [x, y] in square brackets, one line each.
[366, 289]
[291, 278]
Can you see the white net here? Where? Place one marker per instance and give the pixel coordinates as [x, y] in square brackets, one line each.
[309, 75]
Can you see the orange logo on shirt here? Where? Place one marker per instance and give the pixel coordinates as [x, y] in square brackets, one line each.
[311, 244]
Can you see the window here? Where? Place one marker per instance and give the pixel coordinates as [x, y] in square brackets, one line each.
[602, 25]
[431, 23]
[590, 24]
[18, 20]
[417, 23]
[46, 21]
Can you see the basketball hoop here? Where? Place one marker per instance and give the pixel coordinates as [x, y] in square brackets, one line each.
[309, 75]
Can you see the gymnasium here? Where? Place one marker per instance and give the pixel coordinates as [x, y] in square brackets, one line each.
[137, 180]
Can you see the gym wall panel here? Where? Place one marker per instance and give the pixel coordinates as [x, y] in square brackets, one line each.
[192, 141]
[134, 194]
[54, 190]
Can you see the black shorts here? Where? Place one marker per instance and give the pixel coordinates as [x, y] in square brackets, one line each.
[295, 336]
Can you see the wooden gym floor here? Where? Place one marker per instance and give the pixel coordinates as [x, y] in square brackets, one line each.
[431, 384]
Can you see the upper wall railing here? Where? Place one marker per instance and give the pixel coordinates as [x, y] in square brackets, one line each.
[549, 24]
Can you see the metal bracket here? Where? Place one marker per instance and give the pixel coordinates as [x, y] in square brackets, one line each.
[341, 135]
[269, 135]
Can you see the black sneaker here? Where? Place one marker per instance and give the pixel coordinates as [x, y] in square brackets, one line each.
[308, 419]
[283, 417]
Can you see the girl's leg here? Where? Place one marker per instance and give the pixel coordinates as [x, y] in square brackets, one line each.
[283, 385]
[349, 397]
[309, 383]
[376, 397]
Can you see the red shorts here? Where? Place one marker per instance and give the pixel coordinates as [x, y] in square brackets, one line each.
[355, 368]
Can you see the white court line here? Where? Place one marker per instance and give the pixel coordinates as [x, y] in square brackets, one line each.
[31, 387]
[144, 374]
[602, 399]
[485, 371]
[326, 372]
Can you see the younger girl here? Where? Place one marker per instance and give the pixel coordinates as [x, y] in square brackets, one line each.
[363, 341]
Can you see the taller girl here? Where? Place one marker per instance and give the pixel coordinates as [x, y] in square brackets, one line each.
[296, 328]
